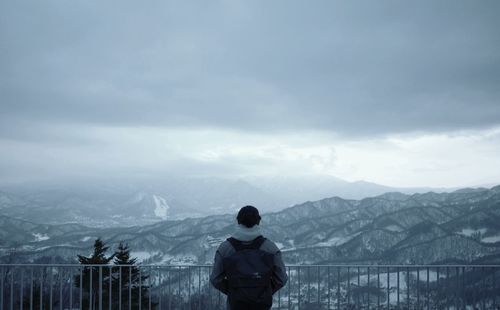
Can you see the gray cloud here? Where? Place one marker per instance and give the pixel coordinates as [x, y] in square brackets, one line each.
[356, 67]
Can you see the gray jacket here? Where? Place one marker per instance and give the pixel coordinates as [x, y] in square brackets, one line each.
[244, 234]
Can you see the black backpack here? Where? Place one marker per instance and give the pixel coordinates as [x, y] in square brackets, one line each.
[249, 272]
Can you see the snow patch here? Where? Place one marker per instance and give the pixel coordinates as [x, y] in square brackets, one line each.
[394, 228]
[40, 237]
[469, 231]
[142, 255]
[334, 241]
[491, 239]
[213, 241]
[161, 207]
[179, 260]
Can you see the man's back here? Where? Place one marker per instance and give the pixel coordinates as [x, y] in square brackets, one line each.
[247, 249]
[249, 272]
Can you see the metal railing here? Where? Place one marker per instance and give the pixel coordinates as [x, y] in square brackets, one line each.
[32, 286]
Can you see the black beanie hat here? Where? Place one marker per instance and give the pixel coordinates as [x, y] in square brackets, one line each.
[248, 216]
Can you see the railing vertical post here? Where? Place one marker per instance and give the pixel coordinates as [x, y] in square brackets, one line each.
[31, 288]
[140, 289]
[378, 287]
[319, 287]
[51, 284]
[368, 284]
[199, 287]
[70, 288]
[448, 287]
[100, 287]
[60, 288]
[91, 290]
[464, 292]
[210, 288]
[110, 283]
[159, 287]
[418, 288]
[150, 287]
[12, 289]
[457, 272]
[189, 287]
[120, 288]
[328, 289]
[397, 270]
[289, 286]
[408, 287]
[359, 290]
[494, 285]
[338, 288]
[42, 269]
[473, 289]
[308, 268]
[298, 288]
[81, 288]
[169, 283]
[348, 293]
[482, 279]
[129, 287]
[388, 290]
[428, 290]
[438, 287]
[179, 277]
[1, 288]
[21, 289]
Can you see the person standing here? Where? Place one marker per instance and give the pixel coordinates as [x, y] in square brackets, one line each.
[248, 267]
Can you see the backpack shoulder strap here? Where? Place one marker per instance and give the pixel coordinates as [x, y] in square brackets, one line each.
[235, 243]
[254, 245]
[257, 242]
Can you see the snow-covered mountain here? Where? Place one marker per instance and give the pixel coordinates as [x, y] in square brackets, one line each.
[96, 207]
[114, 204]
[462, 227]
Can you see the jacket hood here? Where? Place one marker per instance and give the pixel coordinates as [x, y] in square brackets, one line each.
[244, 233]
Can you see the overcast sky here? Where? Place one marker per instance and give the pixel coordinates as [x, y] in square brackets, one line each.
[402, 93]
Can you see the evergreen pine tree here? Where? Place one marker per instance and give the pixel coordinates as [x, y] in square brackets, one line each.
[90, 276]
[128, 282]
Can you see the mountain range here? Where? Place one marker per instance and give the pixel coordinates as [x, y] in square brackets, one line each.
[120, 203]
[428, 228]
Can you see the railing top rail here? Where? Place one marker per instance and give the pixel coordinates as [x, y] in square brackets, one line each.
[291, 265]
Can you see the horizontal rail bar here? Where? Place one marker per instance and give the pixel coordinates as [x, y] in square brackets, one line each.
[290, 265]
